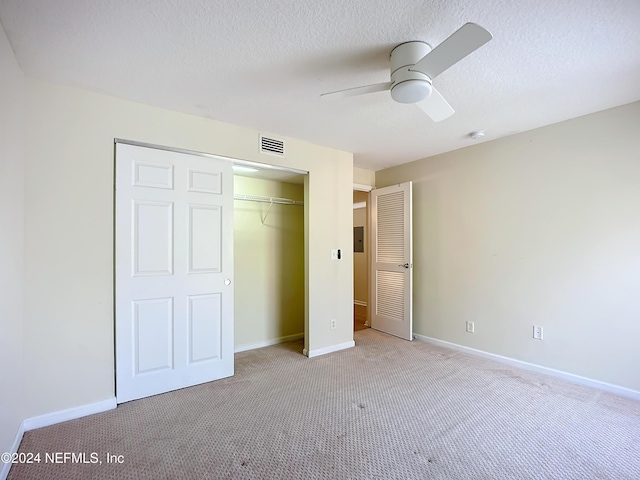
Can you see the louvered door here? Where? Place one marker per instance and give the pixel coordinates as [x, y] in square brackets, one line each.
[391, 285]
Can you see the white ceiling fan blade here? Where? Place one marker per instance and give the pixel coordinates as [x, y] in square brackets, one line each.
[461, 43]
[352, 92]
[436, 106]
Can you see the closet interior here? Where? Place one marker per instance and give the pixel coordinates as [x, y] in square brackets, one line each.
[268, 258]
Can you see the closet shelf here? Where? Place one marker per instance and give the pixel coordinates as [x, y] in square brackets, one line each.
[259, 198]
[269, 200]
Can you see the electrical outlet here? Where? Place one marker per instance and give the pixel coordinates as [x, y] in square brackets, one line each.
[471, 328]
[333, 324]
[537, 332]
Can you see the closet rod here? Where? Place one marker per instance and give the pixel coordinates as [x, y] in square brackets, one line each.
[259, 198]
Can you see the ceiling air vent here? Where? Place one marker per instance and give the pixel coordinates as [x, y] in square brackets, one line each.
[271, 146]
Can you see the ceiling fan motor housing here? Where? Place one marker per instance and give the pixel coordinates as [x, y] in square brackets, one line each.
[409, 86]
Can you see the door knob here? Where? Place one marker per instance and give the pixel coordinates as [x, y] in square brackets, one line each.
[406, 265]
[227, 281]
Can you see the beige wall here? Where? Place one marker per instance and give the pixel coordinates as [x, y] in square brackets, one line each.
[539, 228]
[364, 177]
[11, 244]
[268, 263]
[68, 327]
[360, 196]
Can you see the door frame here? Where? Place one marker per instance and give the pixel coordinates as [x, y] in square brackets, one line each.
[361, 187]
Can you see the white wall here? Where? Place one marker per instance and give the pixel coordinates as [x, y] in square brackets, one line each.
[268, 263]
[541, 228]
[11, 243]
[68, 327]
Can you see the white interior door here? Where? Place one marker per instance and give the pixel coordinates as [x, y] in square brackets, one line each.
[392, 261]
[174, 270]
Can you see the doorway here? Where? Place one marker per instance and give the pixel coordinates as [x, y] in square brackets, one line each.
[360, 260]
[383, 259]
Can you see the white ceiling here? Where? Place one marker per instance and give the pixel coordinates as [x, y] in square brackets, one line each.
[264, 63]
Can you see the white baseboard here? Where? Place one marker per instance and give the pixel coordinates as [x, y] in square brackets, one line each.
[325, 350]
[53, 418]
[607, 387]
[268, 343]
[4, 471]
[69, 414]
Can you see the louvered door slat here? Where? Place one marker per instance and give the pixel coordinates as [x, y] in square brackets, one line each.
[390, 221]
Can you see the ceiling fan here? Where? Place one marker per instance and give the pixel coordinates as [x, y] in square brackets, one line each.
[414, 65]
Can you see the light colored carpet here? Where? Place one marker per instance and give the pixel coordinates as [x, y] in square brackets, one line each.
[386, 409]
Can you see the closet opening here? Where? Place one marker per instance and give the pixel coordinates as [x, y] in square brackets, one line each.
[269, 255]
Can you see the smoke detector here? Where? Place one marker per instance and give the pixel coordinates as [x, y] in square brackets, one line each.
[477, 135]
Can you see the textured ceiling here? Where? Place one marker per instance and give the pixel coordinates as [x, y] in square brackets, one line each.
[264, 63]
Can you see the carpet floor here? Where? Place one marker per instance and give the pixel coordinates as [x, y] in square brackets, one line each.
[386, 409]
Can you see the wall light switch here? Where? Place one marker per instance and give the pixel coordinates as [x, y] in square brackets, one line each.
[537, 332]
[335, 254]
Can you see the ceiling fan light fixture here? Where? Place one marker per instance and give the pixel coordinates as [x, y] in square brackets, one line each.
[411, 91]
[414, 65]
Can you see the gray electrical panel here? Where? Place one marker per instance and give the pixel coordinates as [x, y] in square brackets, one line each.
[358, 239]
